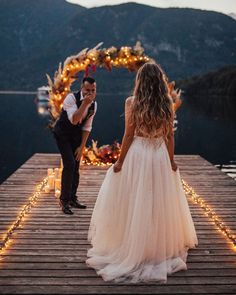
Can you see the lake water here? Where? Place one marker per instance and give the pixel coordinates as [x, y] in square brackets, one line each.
[23, 132]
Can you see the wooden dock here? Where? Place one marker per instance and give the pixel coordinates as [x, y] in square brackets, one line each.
[48, 250]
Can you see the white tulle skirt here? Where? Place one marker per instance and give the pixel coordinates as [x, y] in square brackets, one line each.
[141, 226]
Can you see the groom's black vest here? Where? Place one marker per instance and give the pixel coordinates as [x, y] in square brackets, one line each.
[65, 129]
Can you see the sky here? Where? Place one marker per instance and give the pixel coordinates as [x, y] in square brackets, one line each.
[224, 6]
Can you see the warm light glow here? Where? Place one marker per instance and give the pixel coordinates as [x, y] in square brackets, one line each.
[32, 200]
[209, 212]
[193, 196]
[41, 110]
[90, 60]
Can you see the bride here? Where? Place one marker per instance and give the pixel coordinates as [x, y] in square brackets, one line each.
[141, 226]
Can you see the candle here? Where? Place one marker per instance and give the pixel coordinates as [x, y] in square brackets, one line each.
[60, 172]
[56, 172]
[50, 171]
[61, 163]
[47, 188]
[57, 193]
[51, 182]
[57, 184]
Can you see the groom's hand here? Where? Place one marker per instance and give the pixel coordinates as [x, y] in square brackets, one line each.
[89, 98]
[78, 153]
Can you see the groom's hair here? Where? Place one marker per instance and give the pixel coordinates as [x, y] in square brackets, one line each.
[88, 79]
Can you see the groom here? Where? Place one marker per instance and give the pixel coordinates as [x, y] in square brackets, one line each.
[71, 132]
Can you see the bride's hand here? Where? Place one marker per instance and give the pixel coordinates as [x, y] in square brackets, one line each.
[117, 166]
[174, 165]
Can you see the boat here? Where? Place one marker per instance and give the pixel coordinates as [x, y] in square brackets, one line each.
[42, 100]
[43, 93]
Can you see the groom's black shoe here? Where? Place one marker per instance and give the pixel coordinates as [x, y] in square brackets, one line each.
[77, 204]
[66, 209]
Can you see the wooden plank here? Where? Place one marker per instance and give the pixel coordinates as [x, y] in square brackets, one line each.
[47, 254]
[85, 273]
[119, 289]
[61, 281]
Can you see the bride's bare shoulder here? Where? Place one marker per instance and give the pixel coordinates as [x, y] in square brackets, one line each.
[129, 100]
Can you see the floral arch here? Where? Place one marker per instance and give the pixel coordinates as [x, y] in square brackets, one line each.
[85, 60]
[123, 57]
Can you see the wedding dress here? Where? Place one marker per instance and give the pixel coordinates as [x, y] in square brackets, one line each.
[141, 226]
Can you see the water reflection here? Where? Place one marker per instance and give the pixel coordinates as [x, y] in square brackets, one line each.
[208, 135]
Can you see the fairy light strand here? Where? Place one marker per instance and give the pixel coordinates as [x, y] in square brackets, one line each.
[187, 188]
[89, 60]
[25, 210]
[210, 213]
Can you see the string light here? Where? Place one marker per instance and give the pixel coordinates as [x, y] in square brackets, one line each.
[110, 157]
[97, 163]
[210, 213]
[32, 200]
[127, 57]
[188, 190]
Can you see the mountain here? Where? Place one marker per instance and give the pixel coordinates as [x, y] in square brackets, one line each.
[28, 26]
[213, 93]
[185, 42]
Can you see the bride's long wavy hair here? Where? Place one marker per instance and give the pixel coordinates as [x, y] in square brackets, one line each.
[152, 107]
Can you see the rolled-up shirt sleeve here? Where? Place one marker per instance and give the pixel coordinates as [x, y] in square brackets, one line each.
[89, 122]
[69, 105]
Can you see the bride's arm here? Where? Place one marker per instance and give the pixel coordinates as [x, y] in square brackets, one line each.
[128, 135]
[171, 145]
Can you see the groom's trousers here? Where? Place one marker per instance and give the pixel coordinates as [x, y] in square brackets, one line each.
[70, 172]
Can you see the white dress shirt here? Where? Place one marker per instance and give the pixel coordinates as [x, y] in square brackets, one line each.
[70, 106]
